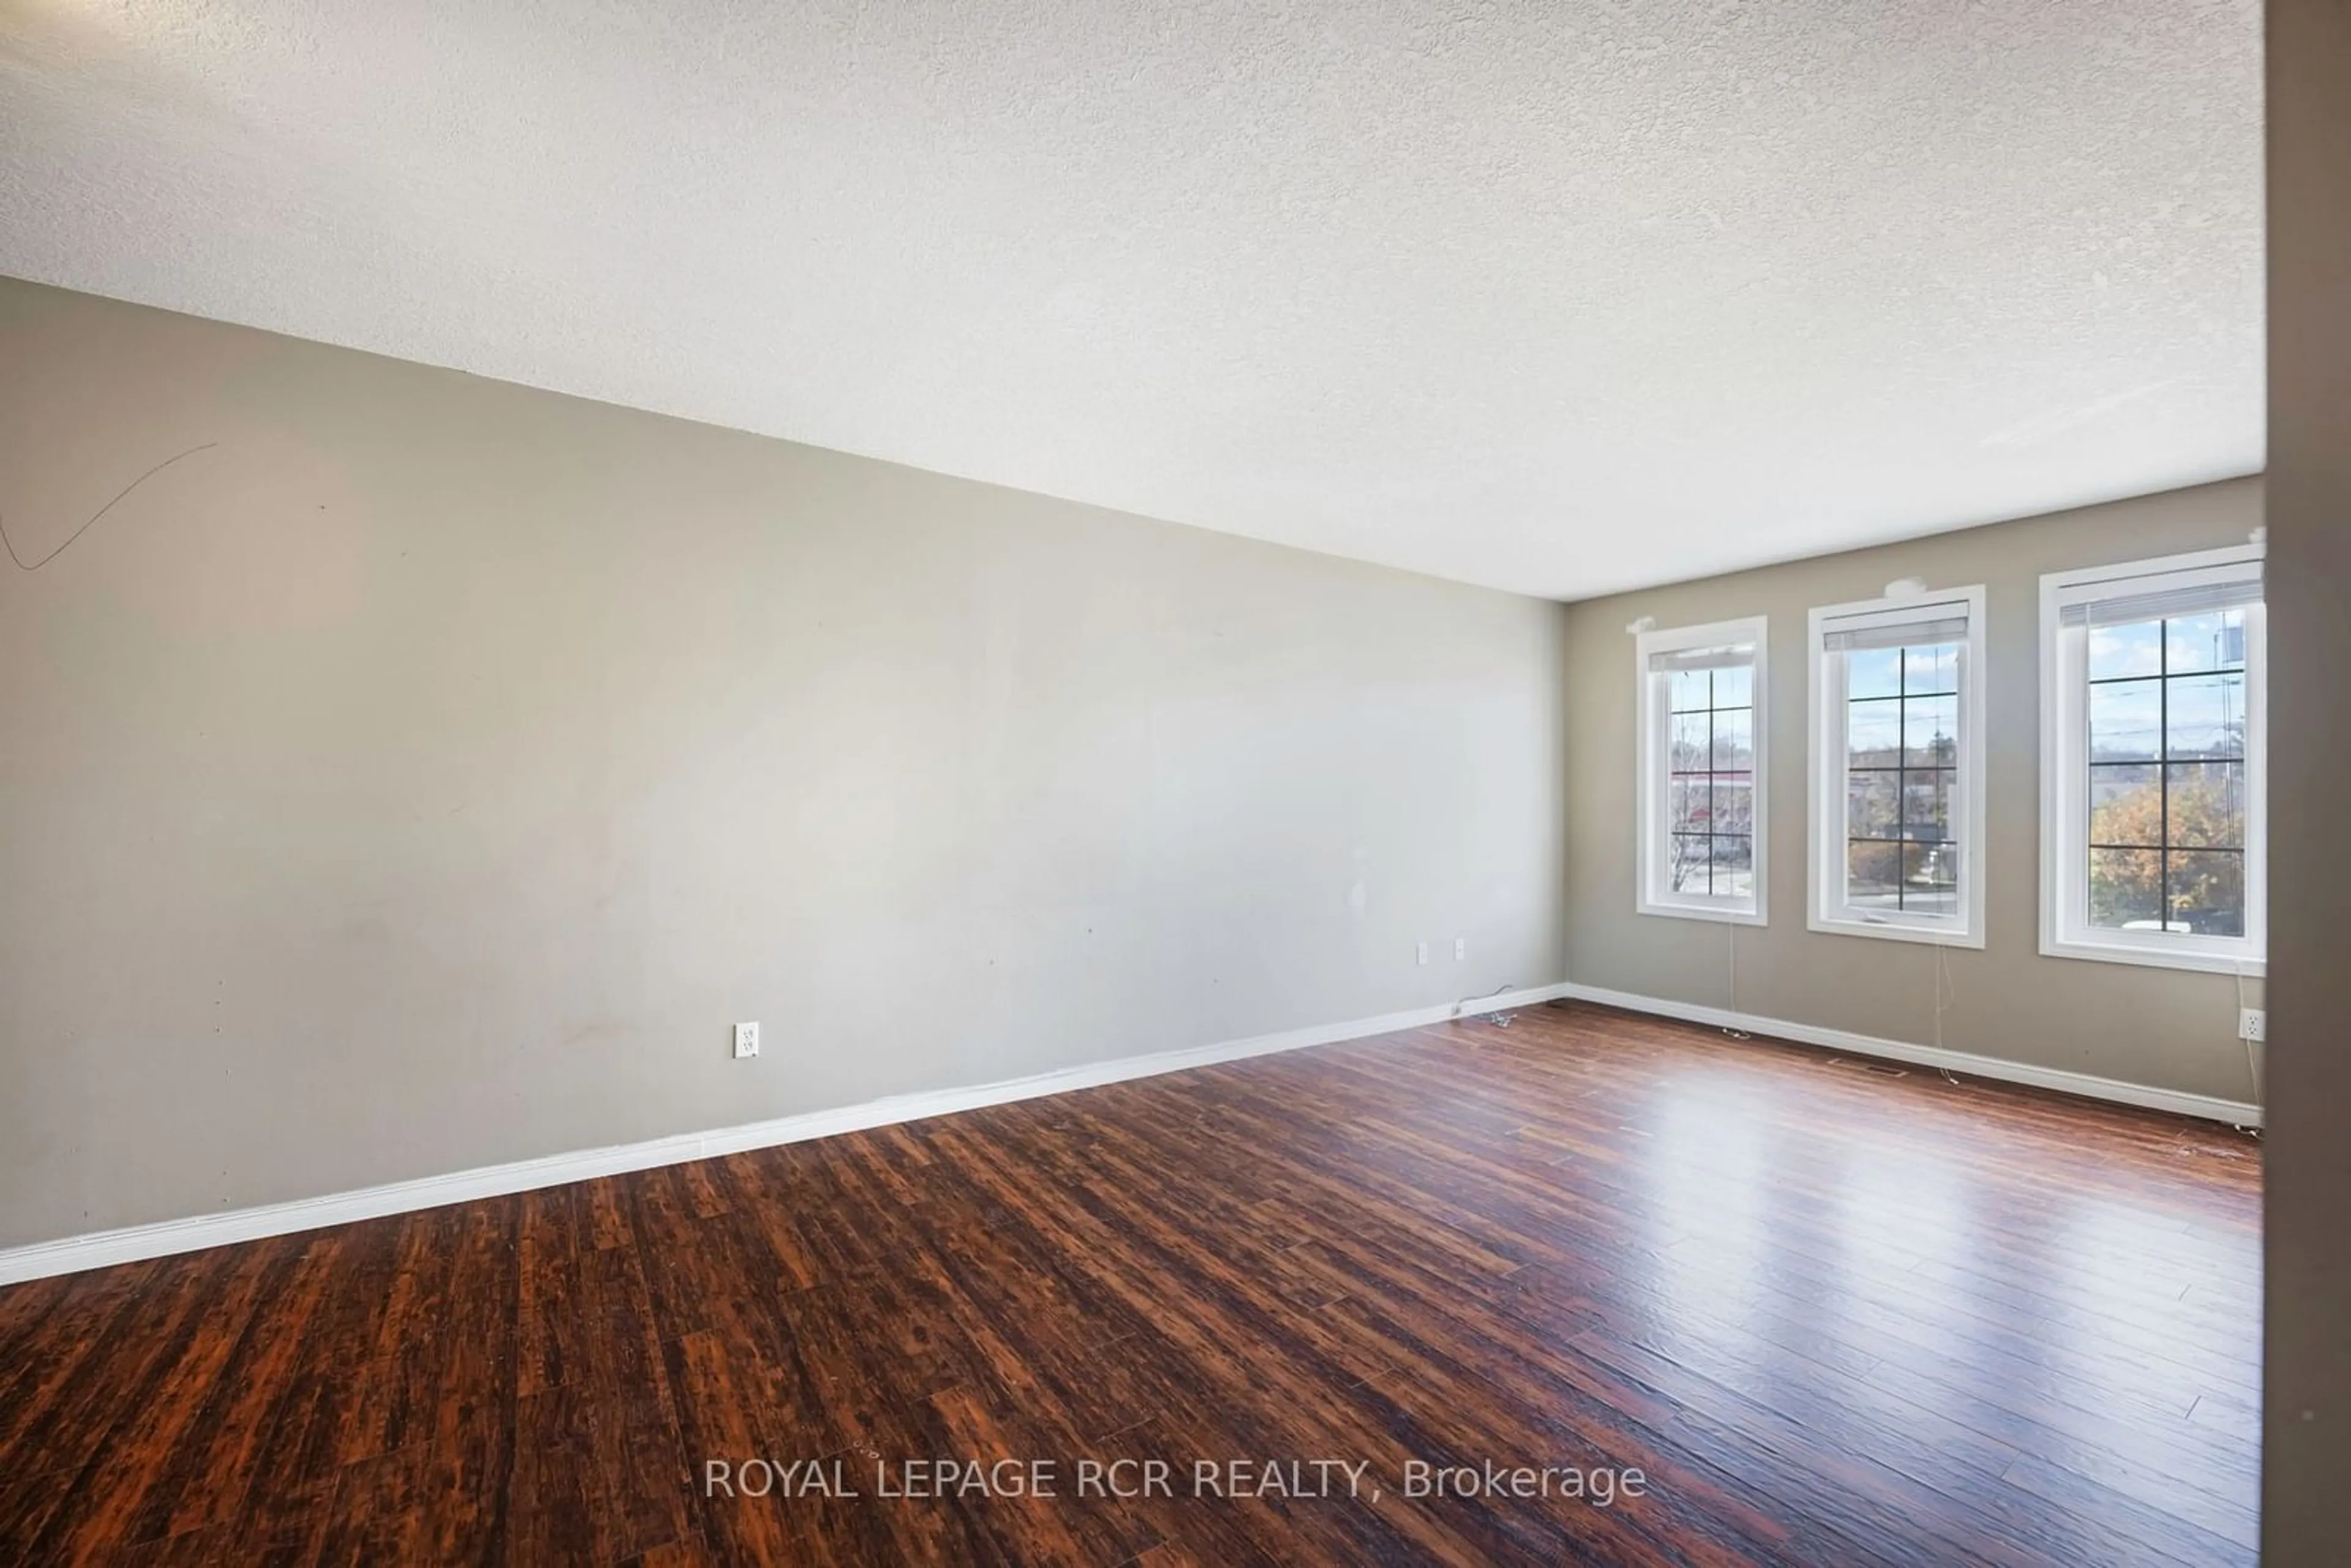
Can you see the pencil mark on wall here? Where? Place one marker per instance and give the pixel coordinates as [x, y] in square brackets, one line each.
[34, 566]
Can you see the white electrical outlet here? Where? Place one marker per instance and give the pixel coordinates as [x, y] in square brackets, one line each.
[2252, 1023]
[1461, 948]
[746, 1041]
[1420, 952]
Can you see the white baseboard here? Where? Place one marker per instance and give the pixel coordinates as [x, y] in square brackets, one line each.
[99, 1248]
[2235, 1112]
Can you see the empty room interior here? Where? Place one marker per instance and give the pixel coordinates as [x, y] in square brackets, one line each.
[1110, 784]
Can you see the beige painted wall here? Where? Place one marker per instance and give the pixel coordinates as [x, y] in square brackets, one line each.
[426, 773]
[2171, 1029]
[2307, 1426]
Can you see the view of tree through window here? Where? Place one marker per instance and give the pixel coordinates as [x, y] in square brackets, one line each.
[2167, 760]
[1902, 725]
[1711, 802]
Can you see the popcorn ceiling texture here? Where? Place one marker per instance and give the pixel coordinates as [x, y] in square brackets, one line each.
[1564, 299]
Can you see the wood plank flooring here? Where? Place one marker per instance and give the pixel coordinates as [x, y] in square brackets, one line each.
[1831, 1311]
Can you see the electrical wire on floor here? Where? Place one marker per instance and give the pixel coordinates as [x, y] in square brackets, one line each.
[1733, 1030]
[1947, 997]
[1500, 1018]
[2252, 1059]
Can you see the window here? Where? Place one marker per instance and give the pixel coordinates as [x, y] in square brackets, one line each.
[2152, 800]
[1702, 771]
[1896, 774]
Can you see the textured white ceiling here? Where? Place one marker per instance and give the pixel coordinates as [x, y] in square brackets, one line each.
[1563, 298]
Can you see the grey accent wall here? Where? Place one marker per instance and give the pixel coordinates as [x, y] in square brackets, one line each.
[2306, 1425]
[2166, 1029]
[427, 772]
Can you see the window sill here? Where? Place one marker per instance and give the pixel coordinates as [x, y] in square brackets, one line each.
[1722, 913]
[1888, 930]
[2156, 957]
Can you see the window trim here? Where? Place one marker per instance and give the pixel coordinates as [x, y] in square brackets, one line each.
[1825, 730]
[2065, 932]
[1653, 717]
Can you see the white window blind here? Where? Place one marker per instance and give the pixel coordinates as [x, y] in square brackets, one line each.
[1723, 656]
[1909, 626]
[2171, 595]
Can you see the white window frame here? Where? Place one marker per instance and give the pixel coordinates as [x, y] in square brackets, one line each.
[2066, 930]
[1825, 720]
[1651, 894]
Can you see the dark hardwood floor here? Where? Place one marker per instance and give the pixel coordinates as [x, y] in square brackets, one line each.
[1830, 1313]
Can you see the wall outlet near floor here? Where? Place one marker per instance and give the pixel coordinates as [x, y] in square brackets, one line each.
[1420, 952]
[2252, 1023]
[746, 1041]
[1461, 948]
